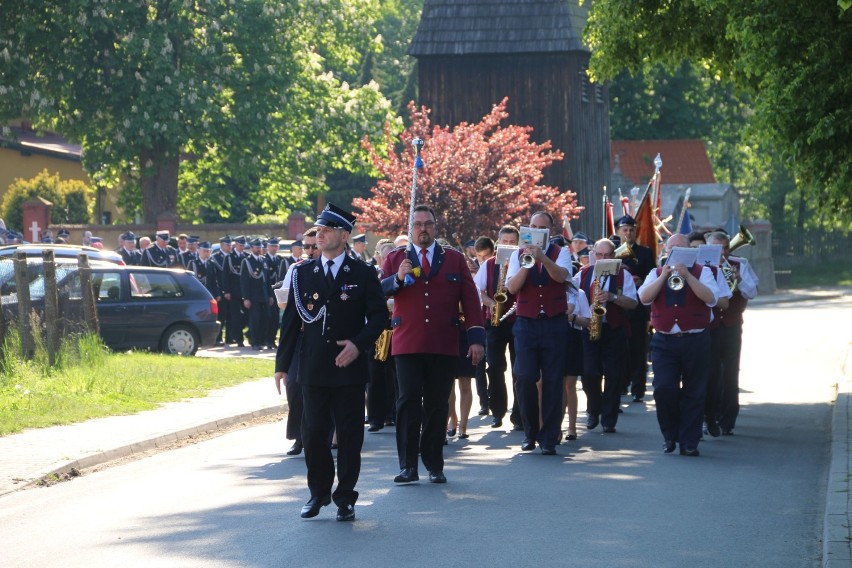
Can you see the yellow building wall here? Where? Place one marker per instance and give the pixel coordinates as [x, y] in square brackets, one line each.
[14, 165]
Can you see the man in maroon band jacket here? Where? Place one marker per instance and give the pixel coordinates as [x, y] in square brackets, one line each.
[426, 325]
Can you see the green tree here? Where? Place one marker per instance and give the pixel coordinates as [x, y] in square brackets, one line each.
[790, 58]
[72, 199]
[139, 83]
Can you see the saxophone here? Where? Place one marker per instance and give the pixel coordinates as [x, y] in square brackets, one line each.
[383, 344]
[598, 312]
[501, 296]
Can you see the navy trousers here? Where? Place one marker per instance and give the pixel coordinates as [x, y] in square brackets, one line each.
[681, 364]
[540, 355]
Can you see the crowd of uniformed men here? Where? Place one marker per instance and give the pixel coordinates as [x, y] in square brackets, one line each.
[435, 305]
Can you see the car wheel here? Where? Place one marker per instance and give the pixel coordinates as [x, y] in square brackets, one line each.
[180, 339]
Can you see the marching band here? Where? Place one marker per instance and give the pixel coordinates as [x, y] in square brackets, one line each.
[563, 309]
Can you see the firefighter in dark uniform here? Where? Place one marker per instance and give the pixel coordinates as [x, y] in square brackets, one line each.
[127, 250]
[232, 291]
[206, 270]
[218, 259]
[191, 252]
[337, 308]
[160, 253]
[277, 268]
[256, 294]
[640, 263]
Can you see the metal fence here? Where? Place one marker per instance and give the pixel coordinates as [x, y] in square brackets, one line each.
[809, 247]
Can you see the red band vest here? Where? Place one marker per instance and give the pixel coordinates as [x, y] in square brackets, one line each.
[683, 307]
[540, 293]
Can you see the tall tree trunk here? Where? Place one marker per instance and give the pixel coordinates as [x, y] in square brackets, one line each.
[159, 183]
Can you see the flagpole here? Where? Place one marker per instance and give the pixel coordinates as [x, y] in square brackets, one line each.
[603, 216]
[417, 143]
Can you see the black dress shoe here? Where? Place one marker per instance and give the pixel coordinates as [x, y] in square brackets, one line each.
[346, 513]
[496, 422]
[713, 429]
[464, 436]
[406, 475]
[334, 446]
[527, 445]
[669, 446]
[689, 451]
[517, 427]
[727, 431]
[390, 423]
[313, 506]
[609, 429]
[592, 422]
[451, 432]
[374, 427]
[548, 451]
[637, 398]
[437, 477]
[295, 449]
[483, 411]
[570, 436]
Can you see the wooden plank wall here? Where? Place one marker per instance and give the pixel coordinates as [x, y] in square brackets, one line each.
[549, 92]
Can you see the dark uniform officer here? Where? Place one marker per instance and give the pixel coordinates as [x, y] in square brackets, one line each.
[232, 291]
[640, 264]
[337, 308]
[256, 293]
[218, 259]
[160, 253]
[206, 270]
[191, 252]
[127, 250]
[277, 268]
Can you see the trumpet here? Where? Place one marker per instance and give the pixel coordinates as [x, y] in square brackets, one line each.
[676, 282]
[527, 260]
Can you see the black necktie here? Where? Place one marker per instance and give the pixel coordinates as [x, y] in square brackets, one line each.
[329, 275]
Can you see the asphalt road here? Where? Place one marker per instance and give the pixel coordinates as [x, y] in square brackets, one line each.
[753, 499]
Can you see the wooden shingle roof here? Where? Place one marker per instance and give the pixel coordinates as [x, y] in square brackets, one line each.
[480, 27]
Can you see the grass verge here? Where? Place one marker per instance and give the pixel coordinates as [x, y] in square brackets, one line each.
[88, 381]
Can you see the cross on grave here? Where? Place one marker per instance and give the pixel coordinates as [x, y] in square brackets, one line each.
[34, 229]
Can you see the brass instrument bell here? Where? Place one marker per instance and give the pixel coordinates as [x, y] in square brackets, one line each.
[741, 239]
[676, 282]
[624, 252]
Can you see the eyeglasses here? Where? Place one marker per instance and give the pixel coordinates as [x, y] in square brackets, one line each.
[424, 225]
[309, 247]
